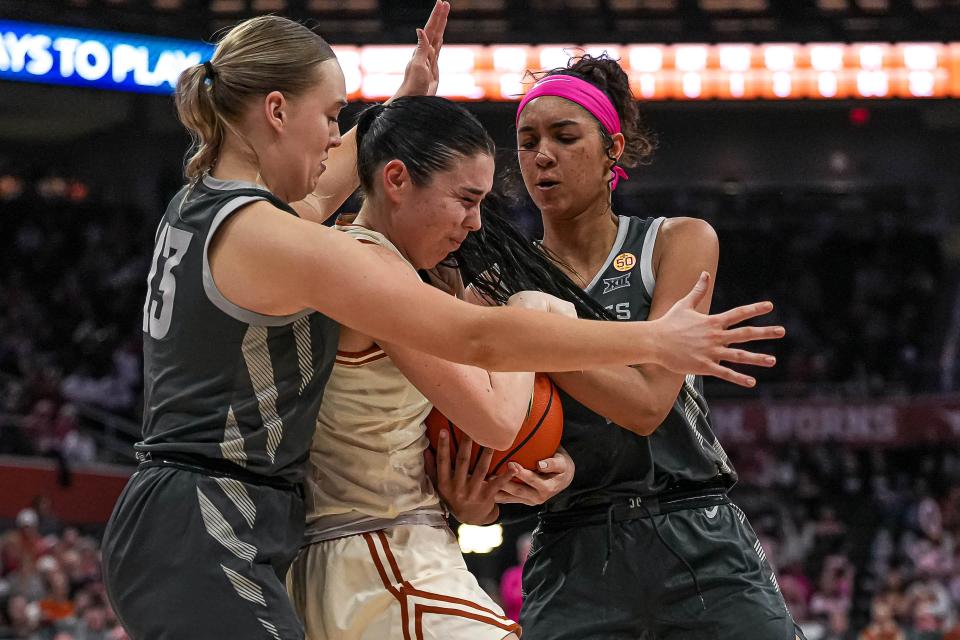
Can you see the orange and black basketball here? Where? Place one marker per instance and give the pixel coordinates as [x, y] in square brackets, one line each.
[538, 438]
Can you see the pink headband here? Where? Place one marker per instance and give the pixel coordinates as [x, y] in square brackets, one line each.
[587, 96]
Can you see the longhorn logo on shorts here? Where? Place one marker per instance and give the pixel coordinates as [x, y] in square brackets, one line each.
[624, 262]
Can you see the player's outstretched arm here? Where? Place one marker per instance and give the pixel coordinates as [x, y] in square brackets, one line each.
[273, 263]
[421, 77]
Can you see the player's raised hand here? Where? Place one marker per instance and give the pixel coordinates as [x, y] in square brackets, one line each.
[692, 342]
[422, 74]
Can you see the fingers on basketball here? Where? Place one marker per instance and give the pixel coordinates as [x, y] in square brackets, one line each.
[538, 438]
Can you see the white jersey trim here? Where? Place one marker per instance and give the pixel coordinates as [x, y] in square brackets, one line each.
[210, 287]
[646, 256]
[229, 185]
[623, 226]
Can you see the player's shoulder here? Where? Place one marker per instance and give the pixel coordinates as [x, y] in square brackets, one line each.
[257, 214]
[263, 206]
[387, 252]
[683, 229]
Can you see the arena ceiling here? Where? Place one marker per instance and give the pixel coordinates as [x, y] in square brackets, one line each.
[528, 21]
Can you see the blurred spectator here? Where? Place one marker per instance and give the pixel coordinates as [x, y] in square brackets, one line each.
[882, 625]
[828, 531]
[930, 602]
[511, 591]
[23, 618]
[927, 625]
[56, 589]
[57, 604]
[26, 579]
[838, 627]
[47, 521]
[894, 593]
[41, 425]
[23, 542]
[796, 588]
[836, 588]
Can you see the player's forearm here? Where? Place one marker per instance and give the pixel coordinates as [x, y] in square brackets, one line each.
[510, 400]
[637, 399]
[513, 339]
[488, 407]
[492, 411]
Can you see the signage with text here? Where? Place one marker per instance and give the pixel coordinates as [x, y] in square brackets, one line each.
[100, 59]
[890, 422]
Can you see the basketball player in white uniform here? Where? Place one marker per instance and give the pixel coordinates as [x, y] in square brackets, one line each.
[380, 561]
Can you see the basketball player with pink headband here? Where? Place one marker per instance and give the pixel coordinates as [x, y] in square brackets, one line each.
[644, 543]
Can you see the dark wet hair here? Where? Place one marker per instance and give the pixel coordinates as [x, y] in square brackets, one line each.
[499, 262]
[427, 133]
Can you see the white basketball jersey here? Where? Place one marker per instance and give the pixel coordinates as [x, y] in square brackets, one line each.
[366, 459]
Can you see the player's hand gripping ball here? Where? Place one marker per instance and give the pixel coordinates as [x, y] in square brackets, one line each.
[538, 439]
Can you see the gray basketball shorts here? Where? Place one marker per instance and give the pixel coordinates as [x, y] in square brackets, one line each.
[723, 588]
[190, 555]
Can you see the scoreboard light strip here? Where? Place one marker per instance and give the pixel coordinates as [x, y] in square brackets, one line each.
[774, 71]
[731, 71]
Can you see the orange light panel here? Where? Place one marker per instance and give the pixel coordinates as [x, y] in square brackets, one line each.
[771, 71]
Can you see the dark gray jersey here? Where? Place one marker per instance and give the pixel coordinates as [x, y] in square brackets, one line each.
[220, 381]
[612, 461]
